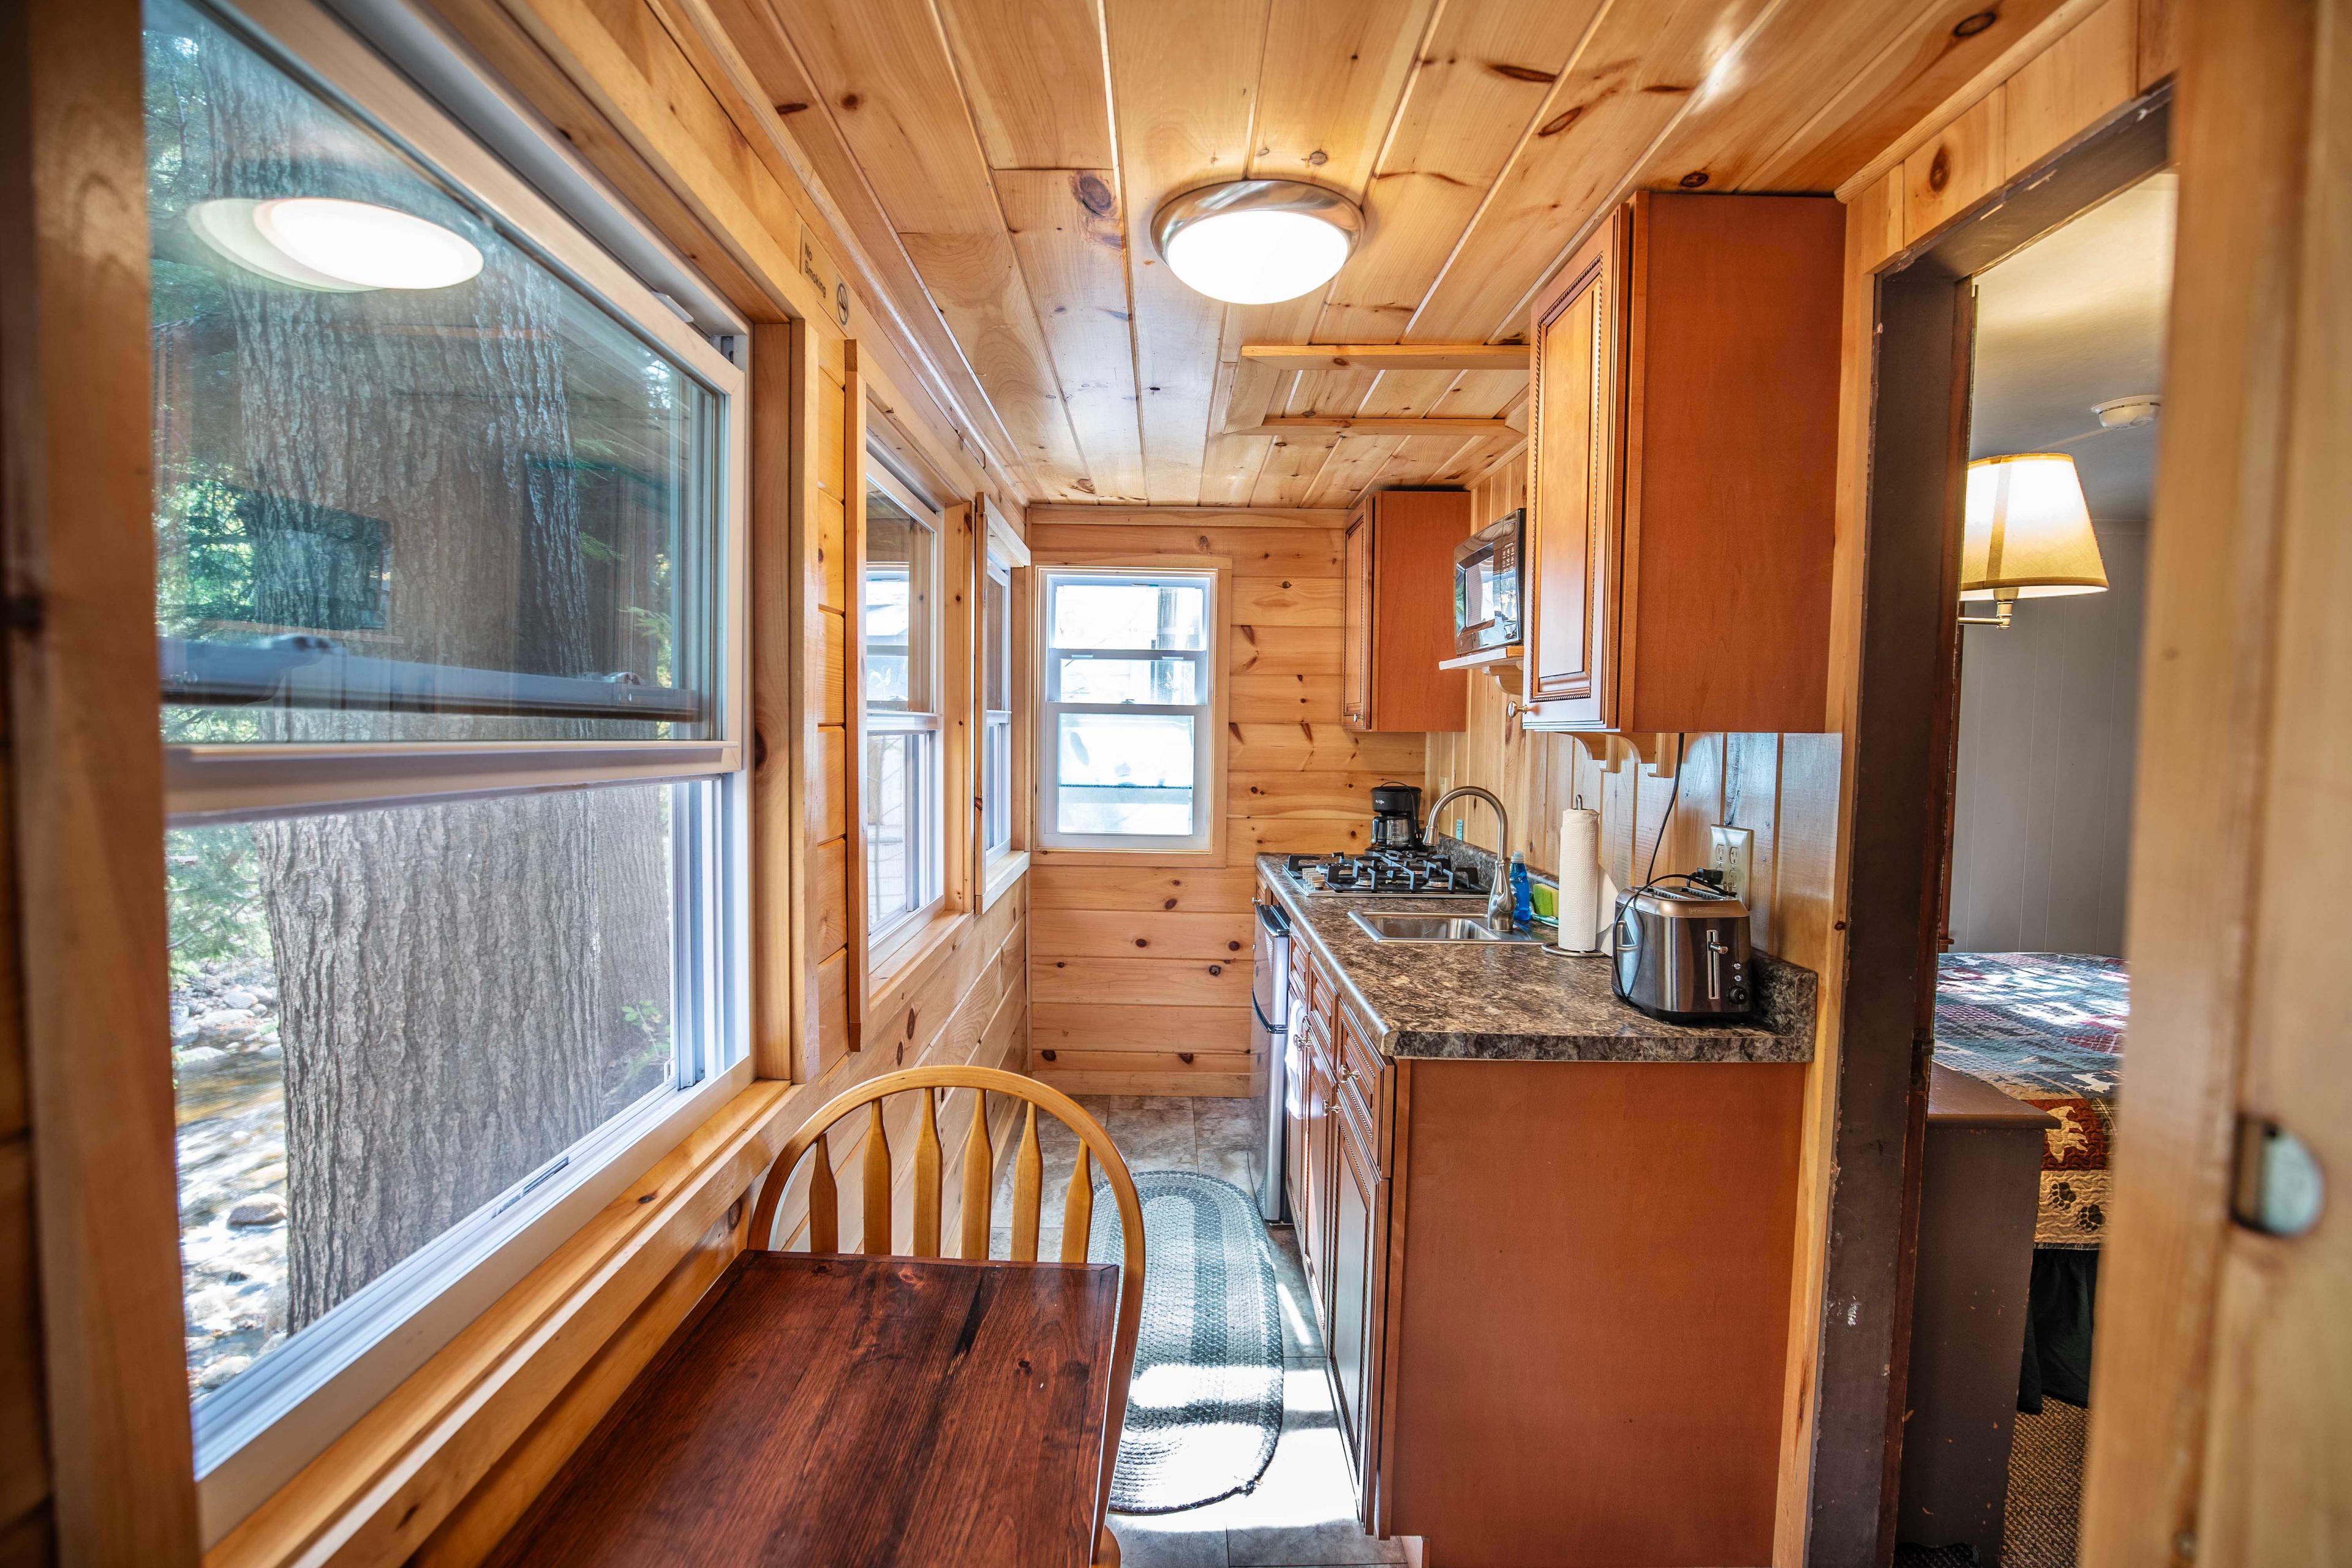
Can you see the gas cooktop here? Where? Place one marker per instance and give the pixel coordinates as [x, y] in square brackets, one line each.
[1414, 873]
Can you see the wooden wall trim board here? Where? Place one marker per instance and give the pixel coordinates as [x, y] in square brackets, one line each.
[2221, 1366]
[86, 972]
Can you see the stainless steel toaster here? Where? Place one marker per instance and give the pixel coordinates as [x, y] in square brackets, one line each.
[1682, 955]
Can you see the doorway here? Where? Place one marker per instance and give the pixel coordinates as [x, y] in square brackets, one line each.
[2032, 983]
[1929, 807]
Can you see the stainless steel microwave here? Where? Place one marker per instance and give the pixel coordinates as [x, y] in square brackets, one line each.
[1487, 584]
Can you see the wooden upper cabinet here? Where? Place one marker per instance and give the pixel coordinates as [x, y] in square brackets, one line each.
[1682, 469]
[1398, 610]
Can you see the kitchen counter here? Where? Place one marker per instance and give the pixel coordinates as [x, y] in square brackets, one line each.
[1512, 1001]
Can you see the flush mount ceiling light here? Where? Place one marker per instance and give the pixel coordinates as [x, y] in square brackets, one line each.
[2123, 413]
[1253, 242]
[334, 245]
[2027, 533]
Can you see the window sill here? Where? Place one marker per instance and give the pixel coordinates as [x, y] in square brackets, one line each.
[999, 876]
[907, 954]
[384, 1487]
[1210, 854]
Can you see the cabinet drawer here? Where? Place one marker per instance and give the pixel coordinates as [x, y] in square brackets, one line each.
[1360, 1088]
[1322, 996]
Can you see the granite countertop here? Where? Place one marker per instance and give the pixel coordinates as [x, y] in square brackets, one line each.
[1514, 1002]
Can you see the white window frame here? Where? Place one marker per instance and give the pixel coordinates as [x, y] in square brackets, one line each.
[927, 810]
[1004, 558]
[282, 1413]
[1207, 838]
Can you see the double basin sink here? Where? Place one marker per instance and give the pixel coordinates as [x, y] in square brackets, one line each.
[1387, 926]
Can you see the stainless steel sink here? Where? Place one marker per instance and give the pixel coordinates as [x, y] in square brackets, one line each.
[1386, 927]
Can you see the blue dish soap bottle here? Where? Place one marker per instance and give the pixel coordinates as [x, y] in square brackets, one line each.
[1523, 908]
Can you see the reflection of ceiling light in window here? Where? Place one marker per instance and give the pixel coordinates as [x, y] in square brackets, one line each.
[1253, 242]
[324, 243]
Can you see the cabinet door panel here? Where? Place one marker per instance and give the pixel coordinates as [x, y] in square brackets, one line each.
[1571, 528]
[1356, 645]
[1356, 1231]
[1314, 1215]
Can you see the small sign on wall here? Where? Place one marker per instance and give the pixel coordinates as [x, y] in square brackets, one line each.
[819, 268]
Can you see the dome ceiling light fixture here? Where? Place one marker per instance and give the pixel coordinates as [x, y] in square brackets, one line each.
[334, 245]
[1254, 242]
[2124, 413]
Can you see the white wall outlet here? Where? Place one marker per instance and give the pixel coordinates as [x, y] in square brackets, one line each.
[1732, 851]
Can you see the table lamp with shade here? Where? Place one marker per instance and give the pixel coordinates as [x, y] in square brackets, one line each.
[2027, 534]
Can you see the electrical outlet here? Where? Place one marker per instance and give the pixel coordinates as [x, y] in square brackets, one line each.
[1732, 851]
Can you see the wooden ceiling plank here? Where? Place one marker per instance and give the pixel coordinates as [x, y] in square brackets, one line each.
[1183, 78]
[1334, 74]
[976, 280]
[1068, 238]
[1389, 356]
[1032, 73]
[1631, 77]
[1354, 463]
[881, 72]
[747, 41]
[1768, 122]
[1488, 70]
[1291, 466]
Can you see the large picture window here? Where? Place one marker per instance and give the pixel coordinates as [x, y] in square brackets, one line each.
[1127, 743]
[444, 518]
[906, 815]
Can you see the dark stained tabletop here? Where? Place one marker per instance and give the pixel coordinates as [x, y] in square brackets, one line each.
[856, 1412]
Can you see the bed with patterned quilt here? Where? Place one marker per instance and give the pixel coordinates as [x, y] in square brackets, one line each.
[2048, 1028]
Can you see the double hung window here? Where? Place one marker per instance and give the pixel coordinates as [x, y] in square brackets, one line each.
[1127, 743]
[449, 616]
[1003, 703]
[905, 806]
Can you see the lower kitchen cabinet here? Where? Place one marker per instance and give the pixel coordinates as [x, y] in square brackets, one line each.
[1554, 1295]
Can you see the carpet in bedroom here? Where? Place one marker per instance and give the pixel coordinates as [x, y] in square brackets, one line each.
[2045, 1497]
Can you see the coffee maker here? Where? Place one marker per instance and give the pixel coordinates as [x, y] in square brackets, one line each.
[1396, 817]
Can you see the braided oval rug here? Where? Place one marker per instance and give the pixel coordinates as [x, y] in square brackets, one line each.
[1204, 1409]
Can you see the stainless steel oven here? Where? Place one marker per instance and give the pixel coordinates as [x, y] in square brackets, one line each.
[1270, 1041]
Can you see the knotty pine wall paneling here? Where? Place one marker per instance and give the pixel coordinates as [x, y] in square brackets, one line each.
[1141, 972]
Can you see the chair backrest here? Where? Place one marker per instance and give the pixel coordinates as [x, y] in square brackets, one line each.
[977, 1180]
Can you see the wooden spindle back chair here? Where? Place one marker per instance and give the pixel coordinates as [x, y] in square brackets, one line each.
[977, 1180]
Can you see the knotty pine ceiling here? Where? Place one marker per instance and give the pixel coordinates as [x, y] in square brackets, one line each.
[999, 161]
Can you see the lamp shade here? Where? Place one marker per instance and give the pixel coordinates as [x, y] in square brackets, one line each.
[2027, 531]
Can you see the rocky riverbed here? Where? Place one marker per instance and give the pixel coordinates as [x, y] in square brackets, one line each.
[230, 1084]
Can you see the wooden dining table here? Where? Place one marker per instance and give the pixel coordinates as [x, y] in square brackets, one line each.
[823, 1408]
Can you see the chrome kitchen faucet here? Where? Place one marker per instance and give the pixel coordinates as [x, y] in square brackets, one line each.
[1498, 899]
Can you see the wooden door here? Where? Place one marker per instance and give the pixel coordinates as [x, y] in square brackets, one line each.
[1573, 527]
[1294, 1109]
[1358, 1229]
[1356, 642]
[2222, 1385]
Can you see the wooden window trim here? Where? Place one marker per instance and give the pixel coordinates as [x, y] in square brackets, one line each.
[995, 875]
[1212, 854]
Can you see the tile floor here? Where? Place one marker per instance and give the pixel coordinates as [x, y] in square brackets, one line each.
[1302, 1512]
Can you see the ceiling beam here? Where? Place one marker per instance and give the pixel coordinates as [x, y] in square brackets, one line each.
[1389, 356]
[1378, 424]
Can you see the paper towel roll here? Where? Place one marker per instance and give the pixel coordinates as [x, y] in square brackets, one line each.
[1581, 919]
